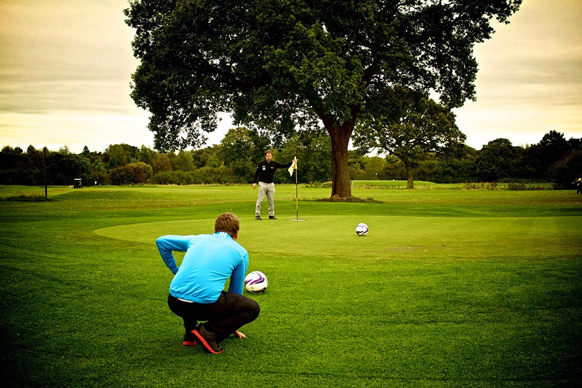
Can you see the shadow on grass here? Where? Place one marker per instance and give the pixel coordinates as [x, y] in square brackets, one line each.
[337, 198]
[27, 198]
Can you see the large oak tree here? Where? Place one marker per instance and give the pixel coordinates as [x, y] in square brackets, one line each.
[283, 64]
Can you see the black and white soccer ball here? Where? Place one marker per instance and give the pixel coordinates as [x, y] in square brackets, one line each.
[256, 282]
[362, 229]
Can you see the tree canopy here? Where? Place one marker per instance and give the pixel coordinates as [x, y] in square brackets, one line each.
[297, 64]
[408, 125]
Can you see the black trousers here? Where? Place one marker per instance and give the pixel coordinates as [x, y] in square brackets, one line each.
[225, 316]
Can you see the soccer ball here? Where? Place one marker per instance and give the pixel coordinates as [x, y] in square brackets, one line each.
[362, 229]
[256, 282]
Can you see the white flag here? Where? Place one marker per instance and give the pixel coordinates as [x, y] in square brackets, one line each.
[293, 166]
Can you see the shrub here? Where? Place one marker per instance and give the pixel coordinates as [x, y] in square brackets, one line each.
[565, 171]
[204, 175]
[133, 173]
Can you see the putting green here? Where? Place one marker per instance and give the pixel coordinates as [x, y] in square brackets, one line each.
[389, 237]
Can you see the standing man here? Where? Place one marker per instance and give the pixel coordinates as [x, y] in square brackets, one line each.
[264, 177]
[197, 290]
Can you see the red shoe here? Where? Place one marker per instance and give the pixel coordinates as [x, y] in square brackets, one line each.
[189, 339]
[207, 340]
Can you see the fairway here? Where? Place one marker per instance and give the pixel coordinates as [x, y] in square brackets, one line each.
[451, 288]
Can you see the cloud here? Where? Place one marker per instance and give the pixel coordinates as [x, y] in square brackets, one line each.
[530, 77]
[97, 130]
[58, 55]
[547, 83]
[65, 70]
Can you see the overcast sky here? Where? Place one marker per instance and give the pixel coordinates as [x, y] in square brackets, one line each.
[66, 65]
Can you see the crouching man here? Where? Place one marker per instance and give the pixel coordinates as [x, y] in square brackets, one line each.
[197, 290]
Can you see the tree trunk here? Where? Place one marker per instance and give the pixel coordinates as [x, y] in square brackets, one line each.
[408, 166]
[340, 173]
[340, 139]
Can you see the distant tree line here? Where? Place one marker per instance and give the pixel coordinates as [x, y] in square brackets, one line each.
[554, 159]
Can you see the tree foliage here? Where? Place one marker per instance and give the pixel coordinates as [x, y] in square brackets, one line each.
[497, 160]
[409, 125]
[183, 161]
[313, 149]
[282, 64]
[240, 149]
[564, 171]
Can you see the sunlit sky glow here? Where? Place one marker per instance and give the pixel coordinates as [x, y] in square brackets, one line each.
[66, 65]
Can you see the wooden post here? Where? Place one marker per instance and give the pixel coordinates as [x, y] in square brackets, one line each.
[45, 183]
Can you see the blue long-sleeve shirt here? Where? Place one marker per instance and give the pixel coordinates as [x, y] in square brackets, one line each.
[209, 261]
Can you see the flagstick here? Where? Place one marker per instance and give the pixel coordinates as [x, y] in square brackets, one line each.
[296, 197]
[296, 191]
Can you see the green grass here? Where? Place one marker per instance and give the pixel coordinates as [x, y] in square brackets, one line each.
[451, 288]
[400, 184]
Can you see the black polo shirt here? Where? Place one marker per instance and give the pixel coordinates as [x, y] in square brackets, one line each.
[266, 171]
